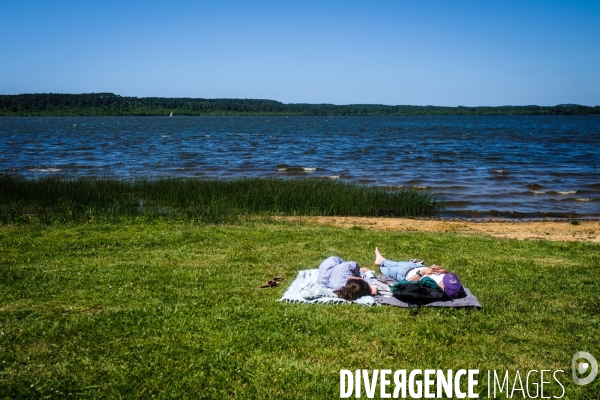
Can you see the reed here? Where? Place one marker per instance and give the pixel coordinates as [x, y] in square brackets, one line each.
[54, 200]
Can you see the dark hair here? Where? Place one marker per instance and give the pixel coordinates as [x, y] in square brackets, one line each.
[354, 289]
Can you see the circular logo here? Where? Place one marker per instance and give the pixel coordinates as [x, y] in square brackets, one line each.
[582, 367]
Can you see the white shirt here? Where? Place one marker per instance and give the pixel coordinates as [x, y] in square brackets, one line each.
[438, 278]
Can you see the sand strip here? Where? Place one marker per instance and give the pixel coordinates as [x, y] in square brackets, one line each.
[583, 231]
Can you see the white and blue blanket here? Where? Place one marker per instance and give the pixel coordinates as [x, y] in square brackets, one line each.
[305, 289]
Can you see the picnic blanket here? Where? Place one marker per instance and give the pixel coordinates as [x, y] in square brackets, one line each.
[305, 289]
[468, 301]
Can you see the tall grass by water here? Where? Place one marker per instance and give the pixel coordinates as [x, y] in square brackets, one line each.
[55, 200]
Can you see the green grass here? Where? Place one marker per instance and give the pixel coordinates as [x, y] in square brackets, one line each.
[53, 200]
[169, 309]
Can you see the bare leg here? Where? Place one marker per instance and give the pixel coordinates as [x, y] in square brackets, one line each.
[378, 257]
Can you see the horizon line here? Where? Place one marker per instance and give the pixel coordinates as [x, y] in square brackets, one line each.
[298, 103]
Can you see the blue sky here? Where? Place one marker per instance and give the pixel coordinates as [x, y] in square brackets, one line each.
[448, 52]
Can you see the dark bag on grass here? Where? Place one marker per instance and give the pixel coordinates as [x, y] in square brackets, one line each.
[419, 293]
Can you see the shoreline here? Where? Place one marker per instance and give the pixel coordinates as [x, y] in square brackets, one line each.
[553, 230]
[111, 104]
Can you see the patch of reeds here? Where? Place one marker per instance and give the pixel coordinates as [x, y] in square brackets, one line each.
[54, 200]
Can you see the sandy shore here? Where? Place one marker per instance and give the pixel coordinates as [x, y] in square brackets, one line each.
[583, 231]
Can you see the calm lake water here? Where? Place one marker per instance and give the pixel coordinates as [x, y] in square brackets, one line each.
[519, 167]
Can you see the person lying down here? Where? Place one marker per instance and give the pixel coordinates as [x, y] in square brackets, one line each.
[415, 270]
[349, 282]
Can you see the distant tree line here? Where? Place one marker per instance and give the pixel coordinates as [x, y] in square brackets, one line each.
[98, 104]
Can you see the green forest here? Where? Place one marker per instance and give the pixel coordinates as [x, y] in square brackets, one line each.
[110, 104]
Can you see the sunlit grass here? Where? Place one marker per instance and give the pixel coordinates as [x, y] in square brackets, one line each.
[172, 310]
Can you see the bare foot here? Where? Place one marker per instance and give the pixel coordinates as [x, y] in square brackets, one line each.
[364, 269]
[378, 257]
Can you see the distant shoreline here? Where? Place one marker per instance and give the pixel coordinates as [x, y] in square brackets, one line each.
[110, 104]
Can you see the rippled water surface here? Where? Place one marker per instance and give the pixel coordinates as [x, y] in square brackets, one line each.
[481, 166]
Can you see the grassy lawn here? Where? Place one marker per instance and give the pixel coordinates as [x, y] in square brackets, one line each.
[172, 310]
